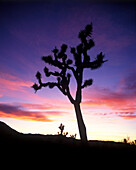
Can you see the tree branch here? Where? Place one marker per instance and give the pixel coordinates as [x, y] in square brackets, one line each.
[49, 60]
[61, 89]
[48, 73]
[69, 96]
[73, 71]
[87, 83]
[96, 63]
[38, 87]
[64, 90]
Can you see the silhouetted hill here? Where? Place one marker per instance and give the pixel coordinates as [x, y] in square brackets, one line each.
[7, 133]
[57, 147]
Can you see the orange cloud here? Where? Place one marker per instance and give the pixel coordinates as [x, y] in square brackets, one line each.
[21, 112]
[9, 111]
[129, 117]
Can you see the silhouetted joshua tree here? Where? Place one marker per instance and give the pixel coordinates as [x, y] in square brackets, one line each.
[81, 61]
[61, 127]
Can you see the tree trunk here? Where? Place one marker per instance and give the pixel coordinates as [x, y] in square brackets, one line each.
[81, 125]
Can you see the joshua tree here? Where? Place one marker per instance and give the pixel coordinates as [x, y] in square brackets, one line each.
[61, 127]
[81, 61]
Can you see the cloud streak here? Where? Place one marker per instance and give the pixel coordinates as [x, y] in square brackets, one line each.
[121, 101]
[18, 111]
[10, 82]
[9, 111]
[15, 87]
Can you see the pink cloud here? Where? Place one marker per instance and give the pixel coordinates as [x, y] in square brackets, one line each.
[130, 117]
[114, 100]
[9, 111]
[16, 87]
[45, 107]
[36, 106]
[125, 115]
[121, 101]
[25, 113]
[9, 82]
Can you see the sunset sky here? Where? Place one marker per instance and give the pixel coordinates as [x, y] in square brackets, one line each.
[29, 30]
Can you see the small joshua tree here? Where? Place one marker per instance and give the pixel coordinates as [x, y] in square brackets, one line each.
[61, 127]
[73, 136]
[81, 61]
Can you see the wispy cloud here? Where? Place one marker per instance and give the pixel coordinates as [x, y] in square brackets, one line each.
[9, 82]
[32, 112]
[128, 115]
[35, 107]
[121, 101]
[9, 111]
[15, 87]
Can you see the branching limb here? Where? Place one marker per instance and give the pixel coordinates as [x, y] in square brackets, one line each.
[69, 96]
[96, 63]
[38, 87]
[49, 60]
[61, 89]
[88, 82]
[48, 73]
[73, 71]
[64, 88]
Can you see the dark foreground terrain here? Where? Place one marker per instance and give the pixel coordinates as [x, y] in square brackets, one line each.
[58, 149]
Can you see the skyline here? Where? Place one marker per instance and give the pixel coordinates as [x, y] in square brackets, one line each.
[31, 30]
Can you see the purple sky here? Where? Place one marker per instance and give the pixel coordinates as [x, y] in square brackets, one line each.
[31, 30]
